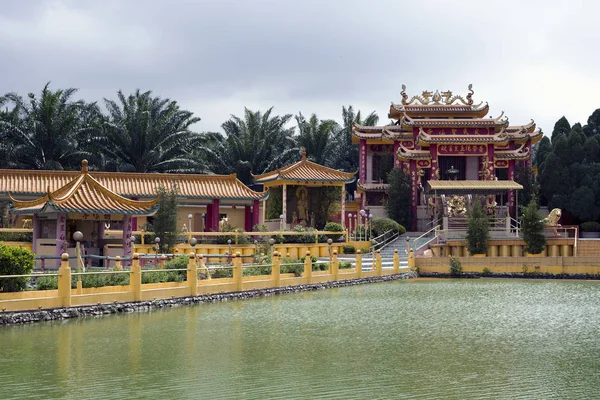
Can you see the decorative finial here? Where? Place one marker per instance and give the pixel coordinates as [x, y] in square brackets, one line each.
[84, 166]
[303, 154]
[470, 95]
[404, 95]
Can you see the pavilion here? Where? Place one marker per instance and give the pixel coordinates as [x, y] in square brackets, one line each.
[301, 195]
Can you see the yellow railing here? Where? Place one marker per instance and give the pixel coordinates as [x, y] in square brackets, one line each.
[65, 296]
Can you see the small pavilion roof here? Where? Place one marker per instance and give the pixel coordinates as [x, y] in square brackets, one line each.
[306, 171]
[140, 185]
[372, 187]
[438, 110]
[83, 194]
[498, 138]
[466, 187]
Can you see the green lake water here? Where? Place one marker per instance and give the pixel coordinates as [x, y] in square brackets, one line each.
[418, 339]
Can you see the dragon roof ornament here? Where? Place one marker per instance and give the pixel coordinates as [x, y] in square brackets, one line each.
[445, 98]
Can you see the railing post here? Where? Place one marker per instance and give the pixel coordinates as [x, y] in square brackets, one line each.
[237, 272]
[378, 263]
[64, 280]
[118, 265]
[276, 269]
[308, 268]
[411, 259]
[358, 264]
[335, 266]
[192, 275]
[135, 278]
[396, 262]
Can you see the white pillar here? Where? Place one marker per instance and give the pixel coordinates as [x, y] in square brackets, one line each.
[284, 208]
[343, 206]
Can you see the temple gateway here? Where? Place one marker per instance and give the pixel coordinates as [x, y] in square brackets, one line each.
[451, 150]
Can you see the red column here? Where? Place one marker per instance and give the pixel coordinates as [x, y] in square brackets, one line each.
[490, 162]
[434, 162]
[127, 231]
[255, 213]
[208, 225]
[362, 161]
[414, 193]
[248, 218]
[396, 147]
[511, 193]
[215, 215]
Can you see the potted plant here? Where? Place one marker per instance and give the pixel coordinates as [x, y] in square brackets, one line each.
[478, 231]
[532, 226]
[590, 230]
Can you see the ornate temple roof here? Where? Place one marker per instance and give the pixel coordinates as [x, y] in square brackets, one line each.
[522, 153]
[410, 154]
[191, 186]
[458, 187]
[499, 122]
[305, 171]
[372, 187]
[425, 138]
[83, 194]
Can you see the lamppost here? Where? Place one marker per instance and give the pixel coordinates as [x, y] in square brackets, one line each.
[407, 244]
[362, 216]
[255, 249]
[329, 242]
[350, 225]
[190, 216]
[78, 238]
[281, 223]
[371, 225]
[271, 243]
[156, 248]
[204, 222]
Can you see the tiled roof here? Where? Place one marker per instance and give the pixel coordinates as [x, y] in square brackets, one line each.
[498, 122]
[470, 139]
[83, 194]
[479, 110]
[373, 187]
[191, 186]
[306, 171]
[410, 154]
[472, 186]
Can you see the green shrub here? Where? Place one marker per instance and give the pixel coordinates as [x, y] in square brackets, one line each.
[310, 237]
[333, 227]
[380, 226]
[226, 227]
[345, 265]
[455, 266]
[486, 271]
[291, 266]
[162, 276]
[478, 235]
[348, 249]
[532, 226]
[313, 259]
[16, 237]
[590, 226]
[100, 280]
[221, 273]
[46, 283]
[15, 261]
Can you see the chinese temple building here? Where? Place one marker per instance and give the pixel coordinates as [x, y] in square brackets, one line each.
[58, 203]
[301, 186]
[439, 137]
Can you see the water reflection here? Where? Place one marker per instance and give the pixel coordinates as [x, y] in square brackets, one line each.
[416, 339]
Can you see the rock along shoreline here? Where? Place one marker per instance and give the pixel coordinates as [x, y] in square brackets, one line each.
[32, 316]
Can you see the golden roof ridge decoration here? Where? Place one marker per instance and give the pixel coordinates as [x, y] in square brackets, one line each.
[500, 137]
[459, 122]
[437, 98]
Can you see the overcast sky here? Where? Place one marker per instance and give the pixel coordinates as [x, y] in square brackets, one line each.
[533, 60]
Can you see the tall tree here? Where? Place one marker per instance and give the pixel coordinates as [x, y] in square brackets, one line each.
[397, 206]
[544, 148]
[562, 126]
[143, 133]
[316, 136]
[593, 124]
[45, 132]
[346, 154]
[257, 143]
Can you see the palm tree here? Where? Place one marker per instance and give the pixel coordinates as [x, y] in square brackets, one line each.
[143, 133]
[346, 154]
[44, 132]
[316, 136]
[257, 143]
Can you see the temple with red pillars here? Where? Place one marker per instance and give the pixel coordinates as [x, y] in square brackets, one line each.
[452, 151]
